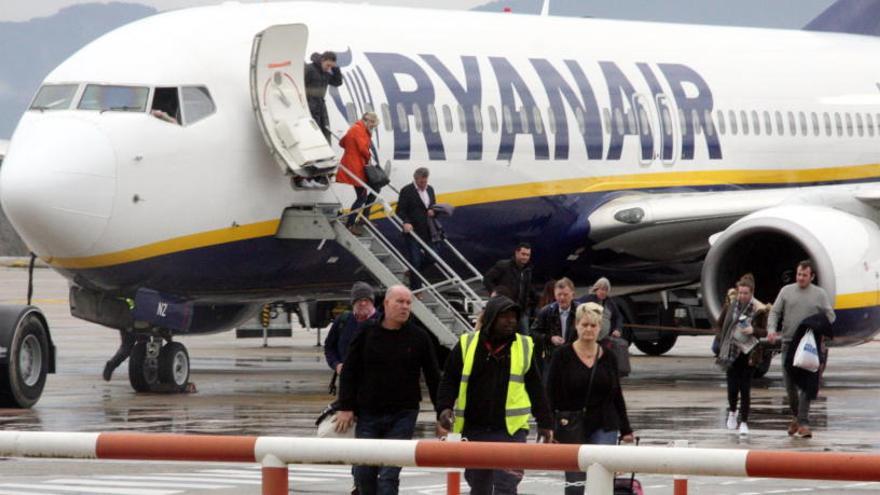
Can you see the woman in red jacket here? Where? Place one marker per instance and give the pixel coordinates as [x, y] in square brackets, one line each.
[356, 156]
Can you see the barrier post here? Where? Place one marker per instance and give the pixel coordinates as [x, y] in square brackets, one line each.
[679, 481]
[274, 476]
[600, 481]
[453, 477]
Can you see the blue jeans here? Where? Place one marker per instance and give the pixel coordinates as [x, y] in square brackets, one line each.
[361, 199]
[494, 481]
[598, 437]
[384, 480]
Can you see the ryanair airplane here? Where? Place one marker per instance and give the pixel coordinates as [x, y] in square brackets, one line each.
[670, 158]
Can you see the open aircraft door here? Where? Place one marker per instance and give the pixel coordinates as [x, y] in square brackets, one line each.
[278, 96]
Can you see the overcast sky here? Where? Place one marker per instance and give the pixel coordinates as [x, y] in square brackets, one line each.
[23, 10]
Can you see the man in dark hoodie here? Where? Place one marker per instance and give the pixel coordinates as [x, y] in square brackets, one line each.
[322, 71]
[490, 385]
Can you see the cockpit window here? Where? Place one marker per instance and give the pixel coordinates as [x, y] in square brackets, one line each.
[197, 103]
[54, 97]
[114, 98]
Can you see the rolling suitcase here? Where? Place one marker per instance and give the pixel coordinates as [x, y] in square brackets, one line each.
[628, 485]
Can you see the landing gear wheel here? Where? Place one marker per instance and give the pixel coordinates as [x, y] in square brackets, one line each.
[174, 366]
[143, 367]
[23, 378]
[657, 347]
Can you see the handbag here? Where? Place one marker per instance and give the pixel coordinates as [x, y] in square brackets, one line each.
[376, 177]
[570, 427]
[806, 357]
[326, 426]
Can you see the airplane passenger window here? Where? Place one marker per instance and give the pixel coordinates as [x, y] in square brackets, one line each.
[386, 116]
[631, 123]
[756, 124]
[721, 126]
[792, 125]
[432, 119]
[695, 118]
[869, 123]
[618, 121]
[508, 119]
[802, 118]
[827, 119]
[682, 122]
[447, 118]
[478, 119]
[644, 123]
[849, 124]
[877, 120]
[116, 98]
[665, 118]
[197, 104]
[780, 124]
[710, 127]
[815, 119]
[493, 119]
[744, 119]
[606, 120]
[462, 120]
[166, 105]
[539, 123]
[417, 117]
[54, 97]
[768, 124]
[859, 125]
[839, 124]
[581, 121]
[402, 118]
[551, 120]
[524, 119]
[733, 128]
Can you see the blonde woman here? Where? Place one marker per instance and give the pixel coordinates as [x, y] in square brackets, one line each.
[584, 391]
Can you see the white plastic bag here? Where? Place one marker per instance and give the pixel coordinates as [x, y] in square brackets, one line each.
[807, 355]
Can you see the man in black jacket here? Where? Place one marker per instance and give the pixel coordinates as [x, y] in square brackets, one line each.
[554, 325]
[414, 207]
[380, 384]
[488, 405]
[516, 275]
[322, 71]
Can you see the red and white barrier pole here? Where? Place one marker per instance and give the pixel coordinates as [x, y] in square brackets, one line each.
[275, 480]
[453, 477]
[679, 481]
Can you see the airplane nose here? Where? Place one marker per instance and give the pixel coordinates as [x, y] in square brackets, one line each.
[57, 184]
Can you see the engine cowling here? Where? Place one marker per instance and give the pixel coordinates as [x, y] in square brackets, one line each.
[844, 248]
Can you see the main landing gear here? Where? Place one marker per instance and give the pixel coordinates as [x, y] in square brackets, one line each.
[154, 367]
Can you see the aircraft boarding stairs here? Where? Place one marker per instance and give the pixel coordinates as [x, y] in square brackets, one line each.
[445, 307]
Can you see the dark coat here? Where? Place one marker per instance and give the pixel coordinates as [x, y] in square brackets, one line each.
[757, 314]
[547, 324]
[506, 273]
[316, 89]
[343, 330]
[807, 381]
[412, 210]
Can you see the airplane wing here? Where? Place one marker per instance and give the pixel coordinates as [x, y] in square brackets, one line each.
[674, 226]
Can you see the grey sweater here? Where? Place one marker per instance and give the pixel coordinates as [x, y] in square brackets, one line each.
[794, 304]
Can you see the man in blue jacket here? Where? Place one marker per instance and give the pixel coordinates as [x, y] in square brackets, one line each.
[347, 325]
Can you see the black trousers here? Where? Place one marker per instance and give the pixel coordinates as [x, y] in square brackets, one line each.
[739, 384]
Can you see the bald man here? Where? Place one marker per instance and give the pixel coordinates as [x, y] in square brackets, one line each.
[380, 384]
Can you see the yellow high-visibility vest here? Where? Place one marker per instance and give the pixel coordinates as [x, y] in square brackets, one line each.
[517, 406]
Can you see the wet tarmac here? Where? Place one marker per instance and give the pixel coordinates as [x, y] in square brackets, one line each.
[249, 390]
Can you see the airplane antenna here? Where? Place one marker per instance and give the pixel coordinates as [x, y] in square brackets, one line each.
[545, 9]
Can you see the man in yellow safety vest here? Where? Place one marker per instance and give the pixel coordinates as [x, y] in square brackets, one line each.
[489, 388]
